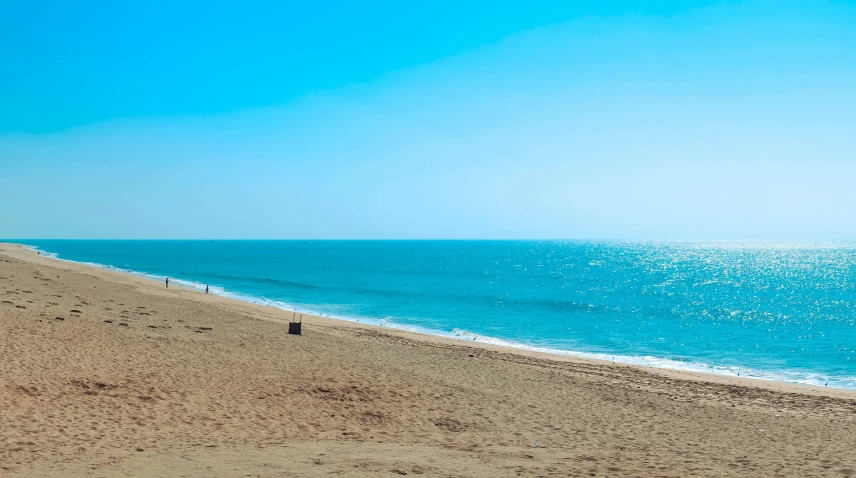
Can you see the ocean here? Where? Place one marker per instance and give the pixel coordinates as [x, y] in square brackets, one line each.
[779, 311]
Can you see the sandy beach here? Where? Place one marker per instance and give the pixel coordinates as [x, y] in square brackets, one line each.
[106, 374]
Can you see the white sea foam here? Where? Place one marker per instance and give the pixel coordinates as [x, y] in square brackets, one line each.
[798, 377]
[51, 255]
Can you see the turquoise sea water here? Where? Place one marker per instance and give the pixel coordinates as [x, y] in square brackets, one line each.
[780, 311]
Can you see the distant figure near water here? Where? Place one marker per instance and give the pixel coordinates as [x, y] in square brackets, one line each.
[167, 282]
[206, 289]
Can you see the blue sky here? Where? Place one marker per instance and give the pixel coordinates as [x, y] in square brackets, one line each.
[632, 120]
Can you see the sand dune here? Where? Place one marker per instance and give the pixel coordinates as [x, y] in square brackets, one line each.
[105, 374]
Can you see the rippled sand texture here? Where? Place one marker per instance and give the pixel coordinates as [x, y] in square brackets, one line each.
[104, 374]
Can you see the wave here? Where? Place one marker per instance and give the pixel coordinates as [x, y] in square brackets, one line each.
[788, 376]
[543, 304]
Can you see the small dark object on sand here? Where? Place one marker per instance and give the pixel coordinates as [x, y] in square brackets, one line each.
[295, 328]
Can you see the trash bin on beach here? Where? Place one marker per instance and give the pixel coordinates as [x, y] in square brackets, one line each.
[294, 327]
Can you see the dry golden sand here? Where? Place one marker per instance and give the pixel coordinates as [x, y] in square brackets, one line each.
[106, 374]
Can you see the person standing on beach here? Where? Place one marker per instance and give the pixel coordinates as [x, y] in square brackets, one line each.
[206, 289]
[167, 282]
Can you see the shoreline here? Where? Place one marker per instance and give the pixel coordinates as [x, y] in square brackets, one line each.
[29, 253]
[109, 374]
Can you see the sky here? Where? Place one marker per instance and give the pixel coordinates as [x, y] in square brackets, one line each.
[643, 120]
